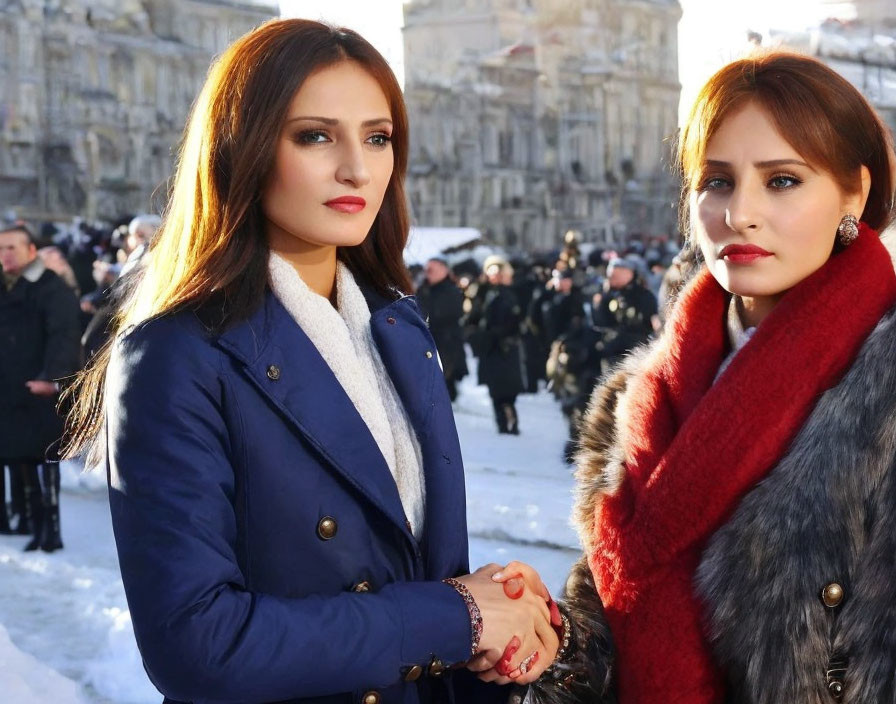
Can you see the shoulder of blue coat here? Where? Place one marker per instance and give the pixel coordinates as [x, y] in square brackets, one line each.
[166, 347]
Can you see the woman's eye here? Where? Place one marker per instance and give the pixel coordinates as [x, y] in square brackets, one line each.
[312, 137]
[783, 182]
[380, 139]
[714, 183]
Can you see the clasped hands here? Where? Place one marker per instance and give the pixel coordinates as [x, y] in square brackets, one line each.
[520, 623]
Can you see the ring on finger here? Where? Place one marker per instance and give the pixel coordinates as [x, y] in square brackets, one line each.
[527, 663]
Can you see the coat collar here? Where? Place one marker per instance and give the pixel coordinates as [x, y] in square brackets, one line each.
[286, 367]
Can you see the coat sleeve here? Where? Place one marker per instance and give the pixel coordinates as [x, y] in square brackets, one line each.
[203, 634]
[62, 349]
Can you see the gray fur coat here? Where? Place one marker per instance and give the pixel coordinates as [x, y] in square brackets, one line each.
[825, 515]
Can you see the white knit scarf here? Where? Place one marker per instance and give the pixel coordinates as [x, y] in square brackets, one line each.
[342, 336]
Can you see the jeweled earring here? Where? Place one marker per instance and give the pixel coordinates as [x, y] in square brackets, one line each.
[848, 229]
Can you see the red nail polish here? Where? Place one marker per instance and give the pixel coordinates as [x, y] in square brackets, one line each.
[509, 591]
[556, 621]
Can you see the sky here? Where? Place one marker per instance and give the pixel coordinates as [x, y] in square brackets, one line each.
[711, 33]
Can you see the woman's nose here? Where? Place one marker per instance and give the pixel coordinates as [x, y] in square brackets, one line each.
[352, 167]
[742, 211]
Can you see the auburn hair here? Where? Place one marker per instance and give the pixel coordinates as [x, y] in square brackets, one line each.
[817, 111]
[211, 252]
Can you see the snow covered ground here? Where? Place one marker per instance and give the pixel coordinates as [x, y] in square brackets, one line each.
[65, 631]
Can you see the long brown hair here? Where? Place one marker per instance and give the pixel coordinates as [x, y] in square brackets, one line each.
[211, 251]
[814, 108]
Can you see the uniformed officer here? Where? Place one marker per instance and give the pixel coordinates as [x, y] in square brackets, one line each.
[626, 313]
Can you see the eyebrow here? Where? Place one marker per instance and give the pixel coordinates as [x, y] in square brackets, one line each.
[771, 164]
[334, 121]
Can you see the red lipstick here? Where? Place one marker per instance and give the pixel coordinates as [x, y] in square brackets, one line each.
[347, 204]
[743, 253]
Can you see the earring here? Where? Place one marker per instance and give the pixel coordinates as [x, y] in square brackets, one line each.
[848, 229]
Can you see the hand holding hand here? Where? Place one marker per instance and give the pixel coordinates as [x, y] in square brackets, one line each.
[518, 642]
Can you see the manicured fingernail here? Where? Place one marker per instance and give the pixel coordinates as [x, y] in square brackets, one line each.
[513, 588]
[555, 614]
[498, 576]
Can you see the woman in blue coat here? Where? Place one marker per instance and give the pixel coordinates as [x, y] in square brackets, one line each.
[286, 482]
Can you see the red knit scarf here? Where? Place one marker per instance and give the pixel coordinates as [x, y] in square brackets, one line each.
[694, 448]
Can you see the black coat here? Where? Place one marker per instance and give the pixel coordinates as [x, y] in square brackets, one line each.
[500, 356]
[625, 315]
[555, 314]
[443, 306]
[39, 339]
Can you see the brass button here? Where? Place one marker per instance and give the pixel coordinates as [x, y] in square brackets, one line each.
[835, 687]
[361, 587]
[412, 674]
[327, 527]
[428, 354]
[832, 595]
[390, 320]
[436, 668]
[273, 372]
[371, 698]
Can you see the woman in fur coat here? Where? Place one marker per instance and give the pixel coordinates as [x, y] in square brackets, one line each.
[285, 476]
[737, 479]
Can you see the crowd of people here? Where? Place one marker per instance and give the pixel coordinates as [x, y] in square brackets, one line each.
[55, 311]
[557, 320]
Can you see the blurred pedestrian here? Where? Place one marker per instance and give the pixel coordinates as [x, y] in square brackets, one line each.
[442, 302]
[626, 313]
[39, 347]
[500, 359]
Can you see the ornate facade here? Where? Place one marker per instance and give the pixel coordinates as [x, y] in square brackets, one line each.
[863, 50]
[530, 117]
[94, 97]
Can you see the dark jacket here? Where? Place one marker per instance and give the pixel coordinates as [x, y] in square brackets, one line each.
[39, 340]
[824, 515]
[554, 314]
[443, 306]
[625, 315]
[500, 360]
[264, 550]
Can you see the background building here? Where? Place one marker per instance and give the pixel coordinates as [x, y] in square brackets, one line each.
[530, 117]
[94, 97]
[862, 49]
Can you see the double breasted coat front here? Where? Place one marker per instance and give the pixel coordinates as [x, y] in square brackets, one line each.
[264, 550]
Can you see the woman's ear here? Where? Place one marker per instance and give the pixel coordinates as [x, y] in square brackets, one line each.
[855, 202]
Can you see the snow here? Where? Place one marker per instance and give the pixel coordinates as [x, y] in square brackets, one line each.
[65, 629]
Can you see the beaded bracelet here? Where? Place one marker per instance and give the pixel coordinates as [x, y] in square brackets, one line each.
[475, 614]
[563, 651]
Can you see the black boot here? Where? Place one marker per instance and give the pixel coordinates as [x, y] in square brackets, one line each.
[4, 516]
[500, 416]
[51, 533]
[17, 496]
[49, 537]
[33, 507]
[513, 421]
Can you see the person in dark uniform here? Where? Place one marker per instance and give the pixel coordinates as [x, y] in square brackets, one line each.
[626, 313]
[443, 306]
[39, 345]
[560, 309]
[500, 360]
